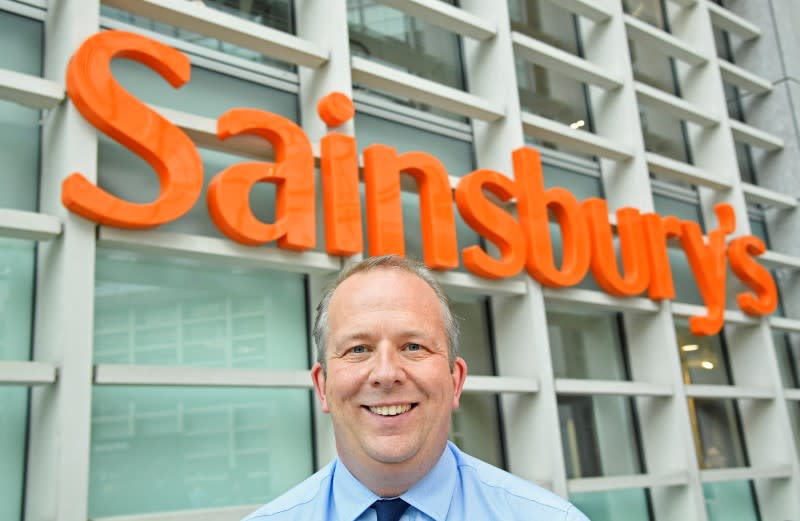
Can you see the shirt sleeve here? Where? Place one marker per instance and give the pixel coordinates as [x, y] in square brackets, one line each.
[573, 514]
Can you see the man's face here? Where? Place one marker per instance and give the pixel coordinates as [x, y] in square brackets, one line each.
[389, 388]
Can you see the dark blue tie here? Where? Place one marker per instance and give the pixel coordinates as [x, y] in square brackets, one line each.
[390, 509]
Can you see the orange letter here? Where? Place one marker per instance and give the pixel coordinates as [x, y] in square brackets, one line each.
[293, 173]
[339, 173]
[708, 265]
[632, 247]
[125, 119]
[382, 168]
[532, 203]
[740, 253]
[657, 230]
[490, 222]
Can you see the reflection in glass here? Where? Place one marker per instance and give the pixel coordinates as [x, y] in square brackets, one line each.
[160, 312]
[388, 36]
[787, 348]
[703, 358]
[649, 11]
[663, 134]
[13, 427]
[613, 505]
[730, 501]
[276, 14]
[586, 344]
[546, 22]
[547, 93]
[717, 435]
[598, 436]
[160, 449]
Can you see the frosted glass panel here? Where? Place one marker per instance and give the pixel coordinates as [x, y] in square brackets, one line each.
[617, 505]
[157, 449]
[730, 501]
[153, 311]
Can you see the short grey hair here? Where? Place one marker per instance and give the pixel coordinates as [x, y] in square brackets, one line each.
[385, 262]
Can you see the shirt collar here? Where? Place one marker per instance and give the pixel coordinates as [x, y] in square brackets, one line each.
[431, 495]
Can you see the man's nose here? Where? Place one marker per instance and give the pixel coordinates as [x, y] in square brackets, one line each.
[387, 369]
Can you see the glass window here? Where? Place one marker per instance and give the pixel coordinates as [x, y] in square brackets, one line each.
[730, 501]
[717, 433]
[586, 344]
[21, 39]
[614, 505]
[599, 436]
[663, 134]
[546, 22]
[649, 11]
[13, 422]
[552, 95]
[703, 358]
[787, 348]
[276, 14]
[167, 448]
[161, 312]
[391, 37]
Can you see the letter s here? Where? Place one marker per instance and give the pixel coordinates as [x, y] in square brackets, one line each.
[740, 254]
[118, 114]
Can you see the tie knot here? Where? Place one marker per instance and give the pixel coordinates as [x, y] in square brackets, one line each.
[390, 509]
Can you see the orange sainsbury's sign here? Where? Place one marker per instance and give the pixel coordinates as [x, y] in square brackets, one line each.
[523, 241]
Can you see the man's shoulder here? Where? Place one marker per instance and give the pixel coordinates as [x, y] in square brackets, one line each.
[298, 501]
[517, 494]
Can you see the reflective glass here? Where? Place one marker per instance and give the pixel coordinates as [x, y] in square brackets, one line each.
[787, 349]
[276, 14]
[21, 39]
[13, 422]
[165, 448]
[703, 359]
[598, 436]
[730, 501]
[716, 433]
[759, 228]
[651, 67]
[555, 96]
[162, 312]
[614, 505]
[388, 36]
[585, 344]
[663, 134]
[649, 11]
[546, 22]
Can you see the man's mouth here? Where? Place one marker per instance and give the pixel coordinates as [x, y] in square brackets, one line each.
[391, 410]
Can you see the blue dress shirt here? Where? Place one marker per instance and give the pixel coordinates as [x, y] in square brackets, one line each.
[459, 487]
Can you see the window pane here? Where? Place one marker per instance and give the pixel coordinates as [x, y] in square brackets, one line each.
[663, 133]
[730, 501]
[649, 11]
[16, 298]
[13, 423]
[388, 36]
[716, 432]
[598, 436]
[21, 41]
[276, 14]
[157, 449]
[161, 312]
[475, 344]
[787, 349]
[585, 344]
[476, 427]
[703, 359]
[544, 21]
[616, 505]
[552, 95]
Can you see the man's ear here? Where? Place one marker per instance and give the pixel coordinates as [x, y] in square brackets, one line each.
[459, 374]
[318, 378]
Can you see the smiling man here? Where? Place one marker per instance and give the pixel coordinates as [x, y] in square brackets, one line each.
[388, 373]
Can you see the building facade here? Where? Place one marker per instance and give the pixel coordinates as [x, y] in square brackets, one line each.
[163, 374]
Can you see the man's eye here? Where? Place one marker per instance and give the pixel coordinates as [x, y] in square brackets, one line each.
[359, 350]
[413, 347]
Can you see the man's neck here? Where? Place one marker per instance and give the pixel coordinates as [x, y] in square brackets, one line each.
[391, 479]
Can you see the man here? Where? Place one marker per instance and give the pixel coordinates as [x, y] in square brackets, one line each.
[388, 373]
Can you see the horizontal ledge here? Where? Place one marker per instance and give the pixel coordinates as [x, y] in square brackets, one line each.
[663, 41]
[764, 196]
[791, 394]
[731, 316]
[733, 23]
[788, 325]
[27, 373]
[683, 172]
[591, 9]
[448, 17]
[196, 17]
[578, 140]
[32, 226]
[735, 75]
[403, 84]
[31, 91]
[466, 283]
[728, 391]
[599, 300]
[746, 473]
[568, 64]
[774, 259]
[214, 249]
[206, 514]
[674, 105]
[603, 483]
[684, 3]
[500, 384]
[574, 386]
[112, 374]
[755, 136]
